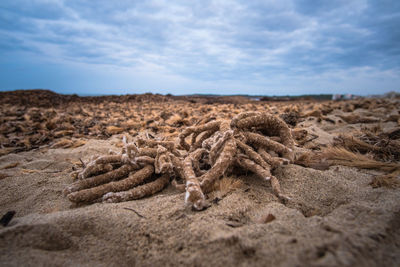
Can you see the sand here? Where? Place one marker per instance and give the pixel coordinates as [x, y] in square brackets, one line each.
[334, 217]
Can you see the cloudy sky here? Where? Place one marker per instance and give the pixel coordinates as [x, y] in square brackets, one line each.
[209, 46]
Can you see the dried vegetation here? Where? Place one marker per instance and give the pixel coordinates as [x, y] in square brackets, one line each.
[194, 141]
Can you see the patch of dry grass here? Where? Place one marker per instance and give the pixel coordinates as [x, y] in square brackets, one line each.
[342, 156]
[391, 180]
[312, 160]
[227, 185]
[114, 130]
[380, 146]
[67, 143]
[353, 119]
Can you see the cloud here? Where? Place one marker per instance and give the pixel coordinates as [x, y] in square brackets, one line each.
[260, 46]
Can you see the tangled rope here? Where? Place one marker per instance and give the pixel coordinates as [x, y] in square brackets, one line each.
[252, 141]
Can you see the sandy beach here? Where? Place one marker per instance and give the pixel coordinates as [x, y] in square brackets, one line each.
[340, 212]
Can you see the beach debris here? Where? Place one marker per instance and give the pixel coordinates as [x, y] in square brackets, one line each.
[67, 143]
[252, 141]
[352, 119]
[339, 155]
[9, 166]
[389, 180]
[384, 146]
[137, 213]
[266, 218]
[5, 220]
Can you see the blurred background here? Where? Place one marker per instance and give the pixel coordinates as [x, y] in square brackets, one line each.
[209, 47]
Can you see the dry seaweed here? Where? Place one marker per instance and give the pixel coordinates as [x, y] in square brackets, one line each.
[390, 180]
[379, 145]
[9, 166]
[341, 156]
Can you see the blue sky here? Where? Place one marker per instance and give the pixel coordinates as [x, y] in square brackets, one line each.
[185, 47]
